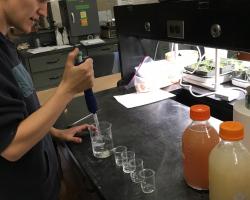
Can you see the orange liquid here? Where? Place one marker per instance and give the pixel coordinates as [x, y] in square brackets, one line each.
[197, 142]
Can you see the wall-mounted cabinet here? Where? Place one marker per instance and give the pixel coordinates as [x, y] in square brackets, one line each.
[140, 20]
[220, 24]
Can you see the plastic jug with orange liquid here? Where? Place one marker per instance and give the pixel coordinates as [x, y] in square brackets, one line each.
[198, 140]
[229, 165]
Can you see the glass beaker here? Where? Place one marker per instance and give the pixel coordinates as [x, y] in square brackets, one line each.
[127, 156]
[117, 153]
[148, 180]
[101, 140]
[136, 166]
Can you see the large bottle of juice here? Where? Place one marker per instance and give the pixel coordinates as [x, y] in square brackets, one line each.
[229, 165]
[198, 140]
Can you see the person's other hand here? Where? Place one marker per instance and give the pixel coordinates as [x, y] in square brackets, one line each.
[76, 79]
[69, 135]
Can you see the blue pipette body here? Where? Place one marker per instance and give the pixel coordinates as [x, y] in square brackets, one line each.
[88, 94]
[90, 100]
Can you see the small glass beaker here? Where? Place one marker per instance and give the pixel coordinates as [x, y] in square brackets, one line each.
[101, 140]
[148, 180]
[117, 153]
[135, 166]
[127, 156]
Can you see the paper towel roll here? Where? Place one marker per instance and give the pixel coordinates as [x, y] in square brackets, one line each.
[56, 14]
[242, 114]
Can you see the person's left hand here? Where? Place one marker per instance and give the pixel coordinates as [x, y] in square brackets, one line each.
[69, 134]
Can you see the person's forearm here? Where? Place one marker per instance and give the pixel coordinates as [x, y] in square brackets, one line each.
[31, 130]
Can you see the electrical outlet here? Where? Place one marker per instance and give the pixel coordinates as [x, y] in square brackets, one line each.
[175, 29]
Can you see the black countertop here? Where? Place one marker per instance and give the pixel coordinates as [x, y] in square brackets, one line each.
[153, 131]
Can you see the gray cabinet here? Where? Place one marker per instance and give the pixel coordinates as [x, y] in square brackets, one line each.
[46, 69]
[47, 62]
[105, 59]
[80, 17]
[47, 79]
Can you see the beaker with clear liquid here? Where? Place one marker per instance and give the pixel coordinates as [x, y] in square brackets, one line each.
[101, 139]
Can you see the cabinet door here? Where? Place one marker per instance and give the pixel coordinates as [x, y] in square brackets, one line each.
[139, 20]
[48, 62]
[82, 17]
[104, 49]
[104, 59]
[47, 79]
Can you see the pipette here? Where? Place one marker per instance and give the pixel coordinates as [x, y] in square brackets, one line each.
[88, 94]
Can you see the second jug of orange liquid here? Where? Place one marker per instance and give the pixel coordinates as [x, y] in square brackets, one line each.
[198, 140]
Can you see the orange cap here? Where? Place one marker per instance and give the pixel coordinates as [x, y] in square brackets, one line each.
[200, 112]
[231, 131]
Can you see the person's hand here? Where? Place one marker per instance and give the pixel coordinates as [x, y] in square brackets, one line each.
[69, 135]
[76, 79]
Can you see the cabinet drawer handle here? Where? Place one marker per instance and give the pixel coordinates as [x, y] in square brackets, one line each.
[105, 49]
[52, 61]
[73, 17]
[54, 77]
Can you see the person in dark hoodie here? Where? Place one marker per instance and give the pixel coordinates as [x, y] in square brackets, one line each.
[28, 161]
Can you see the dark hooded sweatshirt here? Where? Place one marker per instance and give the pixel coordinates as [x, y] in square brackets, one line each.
[35, 175]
